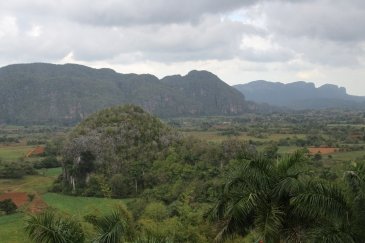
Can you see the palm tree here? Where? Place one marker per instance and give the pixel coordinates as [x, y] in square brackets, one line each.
[113, 228]
[355, 185]
[50, 227]
[277, 200]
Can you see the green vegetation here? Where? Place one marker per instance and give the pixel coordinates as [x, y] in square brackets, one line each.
[17, 170]
[279, 201]
[51, 227]
[79, 206]
[31, 183]
[12, 228]
[7, 206]
[127, 175]
[11, 153]
[114, 227]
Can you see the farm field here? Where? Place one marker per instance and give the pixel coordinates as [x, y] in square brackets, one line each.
[216, 136]
[31, 183]
[349, 156]
[11, 226]
[14, 152]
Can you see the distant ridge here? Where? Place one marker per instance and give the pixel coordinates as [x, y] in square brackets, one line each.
[48, 93]
[300, 95]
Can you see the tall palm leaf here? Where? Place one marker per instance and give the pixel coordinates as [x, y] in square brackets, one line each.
[49, 227]
[113, 228]
[246, 189]
[330, 234]
[355, 181]
[275, 199]
[321, 199]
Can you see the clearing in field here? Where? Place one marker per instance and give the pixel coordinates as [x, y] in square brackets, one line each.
[39, 150]
[19, 198]
[322, 150]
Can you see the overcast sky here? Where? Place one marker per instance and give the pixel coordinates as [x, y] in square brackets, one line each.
[322, 41]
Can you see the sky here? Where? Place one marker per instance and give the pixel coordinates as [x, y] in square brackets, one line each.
[320, 41]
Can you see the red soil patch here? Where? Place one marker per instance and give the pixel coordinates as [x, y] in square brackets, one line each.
[322, 150]
[37, 205]
[19, 198]
[36, 151]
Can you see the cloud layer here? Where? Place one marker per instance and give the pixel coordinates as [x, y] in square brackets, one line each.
[240, 40]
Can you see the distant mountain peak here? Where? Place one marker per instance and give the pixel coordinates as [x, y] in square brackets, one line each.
[299, 94]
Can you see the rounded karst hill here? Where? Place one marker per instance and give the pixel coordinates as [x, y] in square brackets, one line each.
[117, 140]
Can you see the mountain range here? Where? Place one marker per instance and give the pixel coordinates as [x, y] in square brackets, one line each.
[300, 95]
[42, 93]
[47, 93]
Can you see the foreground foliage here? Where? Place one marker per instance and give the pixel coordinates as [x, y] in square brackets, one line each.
[114, 227]
[280, 201]
[51, 227]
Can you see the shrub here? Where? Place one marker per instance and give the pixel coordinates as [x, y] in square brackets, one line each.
[48, 162]
[8, 206]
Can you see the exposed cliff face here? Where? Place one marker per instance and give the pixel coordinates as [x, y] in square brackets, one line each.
[300, 95]
[41, 93]
[208, 92]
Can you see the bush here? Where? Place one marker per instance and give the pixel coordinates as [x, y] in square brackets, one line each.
[156, 211]
[48, 162]
[8, 206]
[120, 186]
[15, 170]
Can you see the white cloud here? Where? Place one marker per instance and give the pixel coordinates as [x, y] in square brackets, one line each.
[8, 27]
[35, 31]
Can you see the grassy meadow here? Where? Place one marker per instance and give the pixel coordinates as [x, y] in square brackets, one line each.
[32, 183]
[14, 152]
[216, 136]
[12, 226]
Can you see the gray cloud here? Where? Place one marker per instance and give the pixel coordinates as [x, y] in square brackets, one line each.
[126, 12]
[302, 38]
[326, 20]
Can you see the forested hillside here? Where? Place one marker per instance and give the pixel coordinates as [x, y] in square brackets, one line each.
[46, 93]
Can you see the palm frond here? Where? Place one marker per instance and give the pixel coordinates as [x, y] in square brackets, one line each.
[268, 222]
[49, 227]
[287, 187]
[291, 164]
[330, 234]
[114, 227]
[255, 174]
[321, 199]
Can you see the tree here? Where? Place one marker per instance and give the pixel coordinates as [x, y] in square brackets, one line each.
[279, 202]
[113, 228]
[355, 183]
[50, 227]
